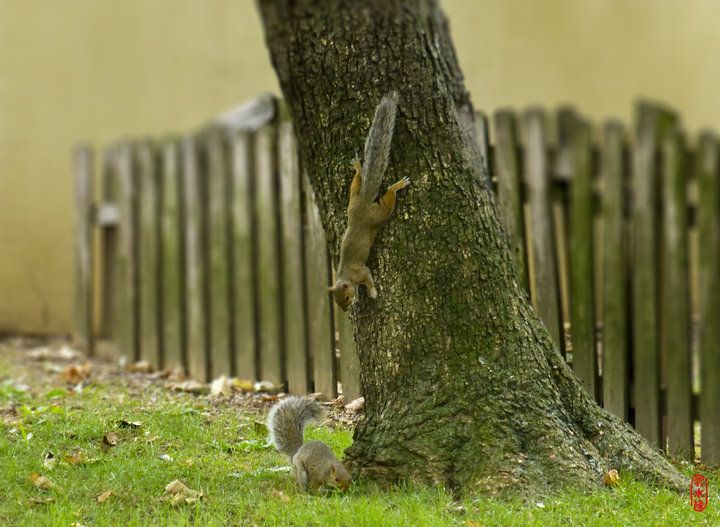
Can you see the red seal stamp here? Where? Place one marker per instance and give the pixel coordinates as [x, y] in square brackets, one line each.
[699, 492]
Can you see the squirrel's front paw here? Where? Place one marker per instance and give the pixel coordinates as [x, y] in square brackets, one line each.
[405, 181]
[372, 293]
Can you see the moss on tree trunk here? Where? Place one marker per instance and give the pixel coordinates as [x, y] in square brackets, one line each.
[463, 385]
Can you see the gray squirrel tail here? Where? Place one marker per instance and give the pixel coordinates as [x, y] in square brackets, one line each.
[377, 146]
[287, 421]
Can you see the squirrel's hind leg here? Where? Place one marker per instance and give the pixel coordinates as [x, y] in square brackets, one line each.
[387, 201]
[301, 475]
[357, 179]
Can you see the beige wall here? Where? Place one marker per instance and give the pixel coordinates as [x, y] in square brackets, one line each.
[95, 70]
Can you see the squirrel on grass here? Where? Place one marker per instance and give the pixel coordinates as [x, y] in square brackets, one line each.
[313, 463]
[365, 215]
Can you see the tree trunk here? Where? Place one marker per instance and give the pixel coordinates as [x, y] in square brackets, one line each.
[463, 385]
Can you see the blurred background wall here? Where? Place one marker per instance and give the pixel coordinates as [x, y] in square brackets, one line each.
[89, 70]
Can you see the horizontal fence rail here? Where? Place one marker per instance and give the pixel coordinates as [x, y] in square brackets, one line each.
[213, 259]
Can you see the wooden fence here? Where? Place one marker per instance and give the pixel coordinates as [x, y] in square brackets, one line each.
[212, 258]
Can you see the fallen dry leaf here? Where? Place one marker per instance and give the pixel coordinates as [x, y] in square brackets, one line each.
[177, 375]
[110, 440]
[265, 386]
[123, 423]
[175, 487]
[187, 386]
[356, 405]
[142, 366]
[179, 493]
[611, 478]
[243, 385]
[76, 373]
[75, 457]
[281, 495]
[104, 496]
[49, 461]
[37, 500]
[41, 482]
[160, 374]
[65, 352]
[221, 387]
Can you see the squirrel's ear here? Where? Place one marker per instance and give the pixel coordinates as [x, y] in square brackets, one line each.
[332, 289]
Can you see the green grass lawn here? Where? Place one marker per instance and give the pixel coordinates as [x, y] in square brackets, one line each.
[218, 448]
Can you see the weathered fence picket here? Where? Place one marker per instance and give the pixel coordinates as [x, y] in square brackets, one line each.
[349, 363]
[196, 286]
[707, 172]
[213, 258]
[127, 313]
[243, 255]
[298, 374]
[575, 139]
[172, 268]
[613, 172]
[646, 363]
[84, 263]
[541, 258]
[674, 305]
[319, 309]
[269, 277]
[222, 361]
[507, 166]
[149, 253]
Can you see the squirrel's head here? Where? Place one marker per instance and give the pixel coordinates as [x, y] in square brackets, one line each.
[344, 293]
[339, 476]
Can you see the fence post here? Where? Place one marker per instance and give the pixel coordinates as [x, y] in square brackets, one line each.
[674, 312]
[542, 267]
[707, 172]
[83, 160]
[614, 254]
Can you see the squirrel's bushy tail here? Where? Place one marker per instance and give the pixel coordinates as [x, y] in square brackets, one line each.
[287, 421]
[377, 146]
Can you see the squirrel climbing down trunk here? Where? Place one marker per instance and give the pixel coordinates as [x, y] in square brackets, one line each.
[365, 215]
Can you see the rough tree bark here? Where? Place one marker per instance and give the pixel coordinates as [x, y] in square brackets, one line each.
[463, 385]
